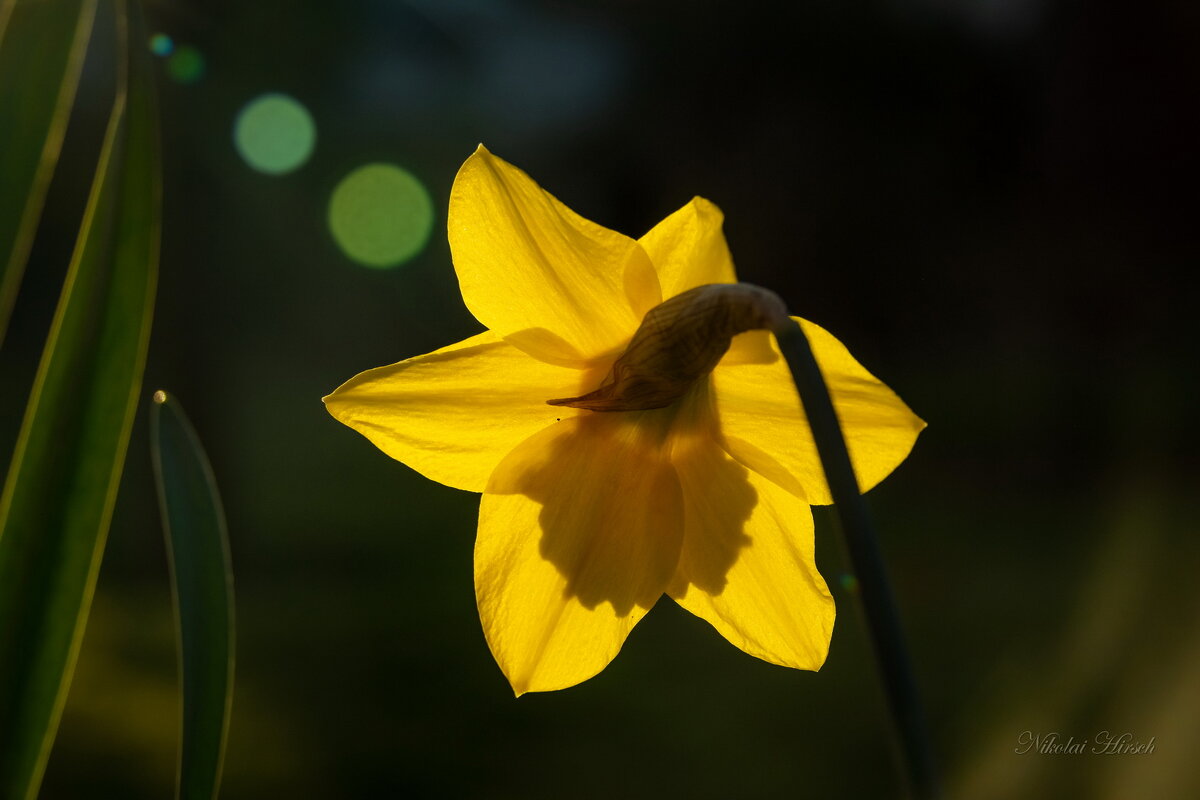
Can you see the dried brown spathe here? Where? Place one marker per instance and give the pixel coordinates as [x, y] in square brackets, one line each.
[679, 342]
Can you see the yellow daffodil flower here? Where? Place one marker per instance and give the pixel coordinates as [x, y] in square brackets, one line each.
[589, 517]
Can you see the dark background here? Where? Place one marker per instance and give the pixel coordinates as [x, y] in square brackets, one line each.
[991, 203]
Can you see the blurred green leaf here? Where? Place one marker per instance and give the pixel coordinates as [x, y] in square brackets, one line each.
[202, 578]
[60, 489]
[42, 46]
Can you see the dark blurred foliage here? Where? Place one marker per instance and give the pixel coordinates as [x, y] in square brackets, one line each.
[991, 203]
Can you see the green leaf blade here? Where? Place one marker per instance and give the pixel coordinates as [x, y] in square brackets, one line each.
[202, 580]
[61, 487]
[42, 47]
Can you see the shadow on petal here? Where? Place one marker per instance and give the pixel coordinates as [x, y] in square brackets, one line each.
[718, 501]
[611, 520]
[634, 502]
[717, 495]
[747, 562]
[545, 345]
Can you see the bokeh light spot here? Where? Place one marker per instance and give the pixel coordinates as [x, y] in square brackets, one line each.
[161, 45]
[849, 583]
[274, 133]
[186, 64]
[380, 215]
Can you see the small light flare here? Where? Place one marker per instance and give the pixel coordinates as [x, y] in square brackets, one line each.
[162, 45]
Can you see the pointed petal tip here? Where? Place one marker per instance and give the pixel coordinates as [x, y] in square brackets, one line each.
[480, 156]
[705, 206]
[525, 261]
[334, 403]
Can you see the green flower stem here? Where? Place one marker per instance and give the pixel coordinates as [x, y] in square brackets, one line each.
[876, 594]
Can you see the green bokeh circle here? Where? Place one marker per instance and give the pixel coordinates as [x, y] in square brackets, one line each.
[274, 133]
[380, 215]
[186, 64]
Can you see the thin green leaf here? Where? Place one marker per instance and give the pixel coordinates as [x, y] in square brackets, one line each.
[42, 46]
[6, 9]
[202, 580]
[60, 490]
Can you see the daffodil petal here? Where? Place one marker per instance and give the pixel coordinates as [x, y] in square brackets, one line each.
[764, 428]
[688, 248]
[526, 262]
[453, 414]
[579, 534]
[751, 347]
[747, 564]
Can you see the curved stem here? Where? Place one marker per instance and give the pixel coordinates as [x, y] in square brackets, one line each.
[895, 670]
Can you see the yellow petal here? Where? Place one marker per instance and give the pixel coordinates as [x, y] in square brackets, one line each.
[688, 248]
[579, 534]
[764, 428]
[453, 414]
[751, 347]
[557, 285]
[747, 563]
